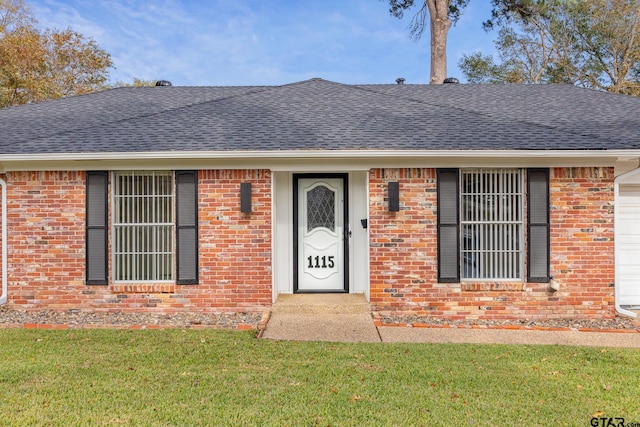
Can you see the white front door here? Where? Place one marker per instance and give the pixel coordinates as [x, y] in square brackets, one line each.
[320, 233]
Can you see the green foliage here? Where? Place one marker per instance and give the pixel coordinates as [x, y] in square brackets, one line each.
[455, 8]
[136, 83]
[44, 64]
[479, 68]
[174, 377]
[593, 44]
[505, 11]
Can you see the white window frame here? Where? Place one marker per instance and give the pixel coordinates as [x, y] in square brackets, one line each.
[487, 249]
[153, 218]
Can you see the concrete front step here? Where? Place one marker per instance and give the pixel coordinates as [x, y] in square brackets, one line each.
[321, 304]
[322, 317]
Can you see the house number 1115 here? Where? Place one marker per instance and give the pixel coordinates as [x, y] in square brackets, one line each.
[320, 261]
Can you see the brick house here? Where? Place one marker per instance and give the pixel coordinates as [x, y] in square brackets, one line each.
[457, 201]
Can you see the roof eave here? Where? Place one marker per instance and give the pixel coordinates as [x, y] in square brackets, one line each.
[320, 159]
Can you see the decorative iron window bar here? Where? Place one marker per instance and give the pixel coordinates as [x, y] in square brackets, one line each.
[492, 224]
[143, 226]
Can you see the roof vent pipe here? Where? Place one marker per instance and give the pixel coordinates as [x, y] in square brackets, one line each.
[163, 83]
[451, 80]
[400, 80]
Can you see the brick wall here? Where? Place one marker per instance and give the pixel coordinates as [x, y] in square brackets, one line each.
[404, 259]
[582, 243]
[46, 219]
[235, 247]
[47, 227]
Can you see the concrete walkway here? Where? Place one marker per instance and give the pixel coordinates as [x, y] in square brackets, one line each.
[347, 318]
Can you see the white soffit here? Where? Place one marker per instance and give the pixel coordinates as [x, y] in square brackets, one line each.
[631, 177]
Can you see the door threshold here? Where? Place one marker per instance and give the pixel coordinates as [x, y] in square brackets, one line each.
[320, 291]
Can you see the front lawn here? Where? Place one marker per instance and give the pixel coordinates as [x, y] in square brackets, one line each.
[209, 377]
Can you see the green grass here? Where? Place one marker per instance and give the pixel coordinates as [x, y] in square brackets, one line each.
[208, 377]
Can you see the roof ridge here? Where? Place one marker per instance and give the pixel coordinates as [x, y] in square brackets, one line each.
[313, 79]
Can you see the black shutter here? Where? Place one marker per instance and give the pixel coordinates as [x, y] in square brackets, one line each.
[448, 226]
[96, 228]
[245, 197]
[538, 225]
[394, 196]
[187, 227]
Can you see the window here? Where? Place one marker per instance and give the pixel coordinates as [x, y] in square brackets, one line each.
[154, 226]
[491, 207]
[482, 224]
[143, 226]
[321, 208]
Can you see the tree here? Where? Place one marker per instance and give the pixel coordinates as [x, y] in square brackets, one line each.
[525, 55]
[136, 83]
[504, 11]
[593, 44]
[442, 14]
[36, 65]
[479, 68]
[13, 15]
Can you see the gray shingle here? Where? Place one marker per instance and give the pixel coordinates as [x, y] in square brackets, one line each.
[317, 114]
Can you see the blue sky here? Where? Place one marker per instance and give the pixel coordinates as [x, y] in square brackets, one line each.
[261, 42]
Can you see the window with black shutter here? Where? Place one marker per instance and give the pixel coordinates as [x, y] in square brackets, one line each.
[155, 227]
[481, 224]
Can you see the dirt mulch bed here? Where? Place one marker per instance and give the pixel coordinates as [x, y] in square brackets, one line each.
[618, 323]
[76, 319]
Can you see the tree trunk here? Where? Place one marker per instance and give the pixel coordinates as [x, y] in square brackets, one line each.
[440, 23]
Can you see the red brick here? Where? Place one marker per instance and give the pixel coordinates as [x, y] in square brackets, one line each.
[582, 266]
[46, 219]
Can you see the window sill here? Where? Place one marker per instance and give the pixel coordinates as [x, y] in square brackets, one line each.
[144, 288]
[492, 286]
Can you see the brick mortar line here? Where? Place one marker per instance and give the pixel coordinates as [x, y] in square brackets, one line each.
[504, 327]
[65, 326]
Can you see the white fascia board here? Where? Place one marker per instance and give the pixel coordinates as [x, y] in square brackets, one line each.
[621, 154]
[315, 159]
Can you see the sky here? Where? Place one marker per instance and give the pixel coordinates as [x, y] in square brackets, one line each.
[261, 42]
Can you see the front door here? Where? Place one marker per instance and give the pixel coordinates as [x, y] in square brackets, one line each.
[321, 233]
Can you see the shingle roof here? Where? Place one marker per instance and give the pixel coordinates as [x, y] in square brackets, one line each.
[318, 114]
